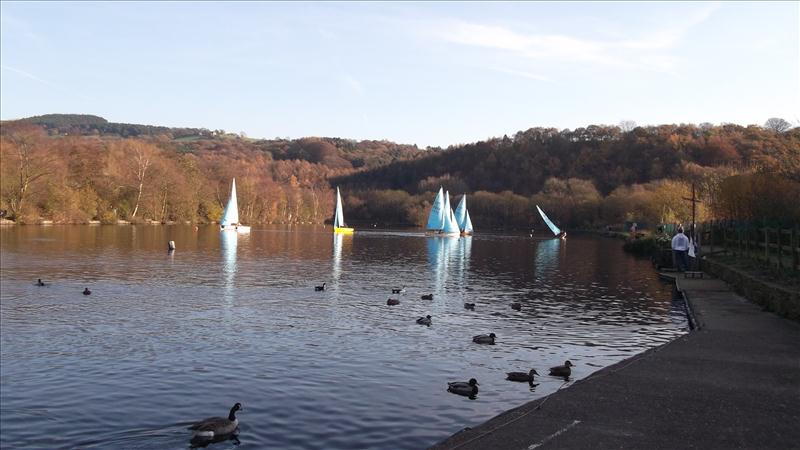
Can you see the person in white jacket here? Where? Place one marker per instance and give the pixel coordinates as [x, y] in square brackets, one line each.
[680, 246]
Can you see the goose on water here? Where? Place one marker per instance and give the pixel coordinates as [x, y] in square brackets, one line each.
[562, 371]
[320, 288]
[86, 291]
[392, 302]
[470, 306]
[398, 290]
[427, 297]
[522, 376]
[484, 338]
[217, 426]
[468, 389]
[516, 306]
[424, 320]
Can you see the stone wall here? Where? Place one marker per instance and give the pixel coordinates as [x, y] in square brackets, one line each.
[781, 300]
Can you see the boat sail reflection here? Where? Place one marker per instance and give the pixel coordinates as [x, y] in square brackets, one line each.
[228, 242]
[547, 253]
[338, 244]
[446, 254]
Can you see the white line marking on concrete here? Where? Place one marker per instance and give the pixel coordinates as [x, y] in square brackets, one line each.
[540, 443]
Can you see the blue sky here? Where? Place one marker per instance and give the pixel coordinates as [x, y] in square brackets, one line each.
[413, 72]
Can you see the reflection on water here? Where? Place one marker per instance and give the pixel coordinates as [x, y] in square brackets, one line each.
[228, 317]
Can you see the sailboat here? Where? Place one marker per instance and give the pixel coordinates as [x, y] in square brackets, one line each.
[436, 217]
[462, 217]
[338, 219]
[230, 218]
[556, 231]
[450, 225]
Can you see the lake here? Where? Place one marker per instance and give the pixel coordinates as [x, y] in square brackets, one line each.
[166, 339]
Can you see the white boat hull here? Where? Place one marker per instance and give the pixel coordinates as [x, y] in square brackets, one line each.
[236, 228]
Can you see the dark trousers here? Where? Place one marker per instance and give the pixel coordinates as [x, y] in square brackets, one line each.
[681, 260]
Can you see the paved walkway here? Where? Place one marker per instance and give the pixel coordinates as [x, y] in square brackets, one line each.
[734, 383]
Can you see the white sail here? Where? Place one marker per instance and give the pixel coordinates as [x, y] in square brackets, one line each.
[450, 223]
[231, 214]
[556, 231]
[338, 220]
[436, 217]
[467, 228]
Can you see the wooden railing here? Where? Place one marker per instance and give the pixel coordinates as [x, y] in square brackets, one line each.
[777, 247]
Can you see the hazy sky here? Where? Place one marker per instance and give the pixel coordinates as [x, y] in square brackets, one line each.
[416, 72]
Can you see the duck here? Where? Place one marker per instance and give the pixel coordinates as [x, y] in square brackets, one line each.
[217, 426]
[516, 306]
[562, 371]
[484, 339]
[398, 290]
[468, 389]
[86, 291]
[427, 297]
[470, 306]
[39, 282]
[392, 302]
[522, 376]
[320, 288]
[424, 320]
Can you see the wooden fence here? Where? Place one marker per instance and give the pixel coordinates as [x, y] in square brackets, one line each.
[778, 248]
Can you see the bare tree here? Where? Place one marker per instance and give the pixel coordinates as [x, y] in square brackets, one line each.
[33, 163]
[777, 125]
[627, 125]
[142, 154]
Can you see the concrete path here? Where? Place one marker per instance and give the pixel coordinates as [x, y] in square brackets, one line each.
[734, 383]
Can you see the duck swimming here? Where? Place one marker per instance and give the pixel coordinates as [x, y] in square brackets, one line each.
[392, 302]
[468, 389]
[424, 320]
[39, 282]
[398, 290]
[320, 288]
[470, 306]
[522, 376]
[484, 339]
[427, 297]
[217, 426]
[562, 371]
[516, 306]
[86, 291]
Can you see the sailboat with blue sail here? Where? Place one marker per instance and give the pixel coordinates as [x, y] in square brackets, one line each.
[230, 217]
[450, 226]
[462, 217]
[436, 217]
[558, 232]
[338, 219]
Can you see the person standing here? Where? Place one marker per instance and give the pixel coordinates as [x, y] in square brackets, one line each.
[680, 245]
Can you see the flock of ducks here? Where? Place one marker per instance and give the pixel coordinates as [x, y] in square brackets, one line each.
[214, 428]
[470, 388]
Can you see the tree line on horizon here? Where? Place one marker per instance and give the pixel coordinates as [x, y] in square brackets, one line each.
[74, 169]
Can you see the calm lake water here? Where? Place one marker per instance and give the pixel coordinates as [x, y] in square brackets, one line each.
[167, 339]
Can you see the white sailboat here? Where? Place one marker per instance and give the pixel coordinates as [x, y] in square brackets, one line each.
[450, 226]
[230, 218]
[557, 232]
[462, 217]
[338, 219]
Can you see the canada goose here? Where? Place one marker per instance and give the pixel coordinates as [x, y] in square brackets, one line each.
[470, 306]
[86, 291]
[392, 302]
[484, 339]
[424, 320]
[320, 288]
[468, 389]
[522, 376]
[40, 282]
[516, 306]
[562, 371]
[217, 426]
[427, 297]
[398, 290]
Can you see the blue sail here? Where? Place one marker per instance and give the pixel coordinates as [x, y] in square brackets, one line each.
[231, 214]
[556, 231]
[461, 211]
[436, 217]
[467, 228]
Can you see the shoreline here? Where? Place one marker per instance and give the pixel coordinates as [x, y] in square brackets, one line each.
[706, 384]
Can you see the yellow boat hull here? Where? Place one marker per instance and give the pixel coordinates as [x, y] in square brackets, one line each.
[343, 230]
